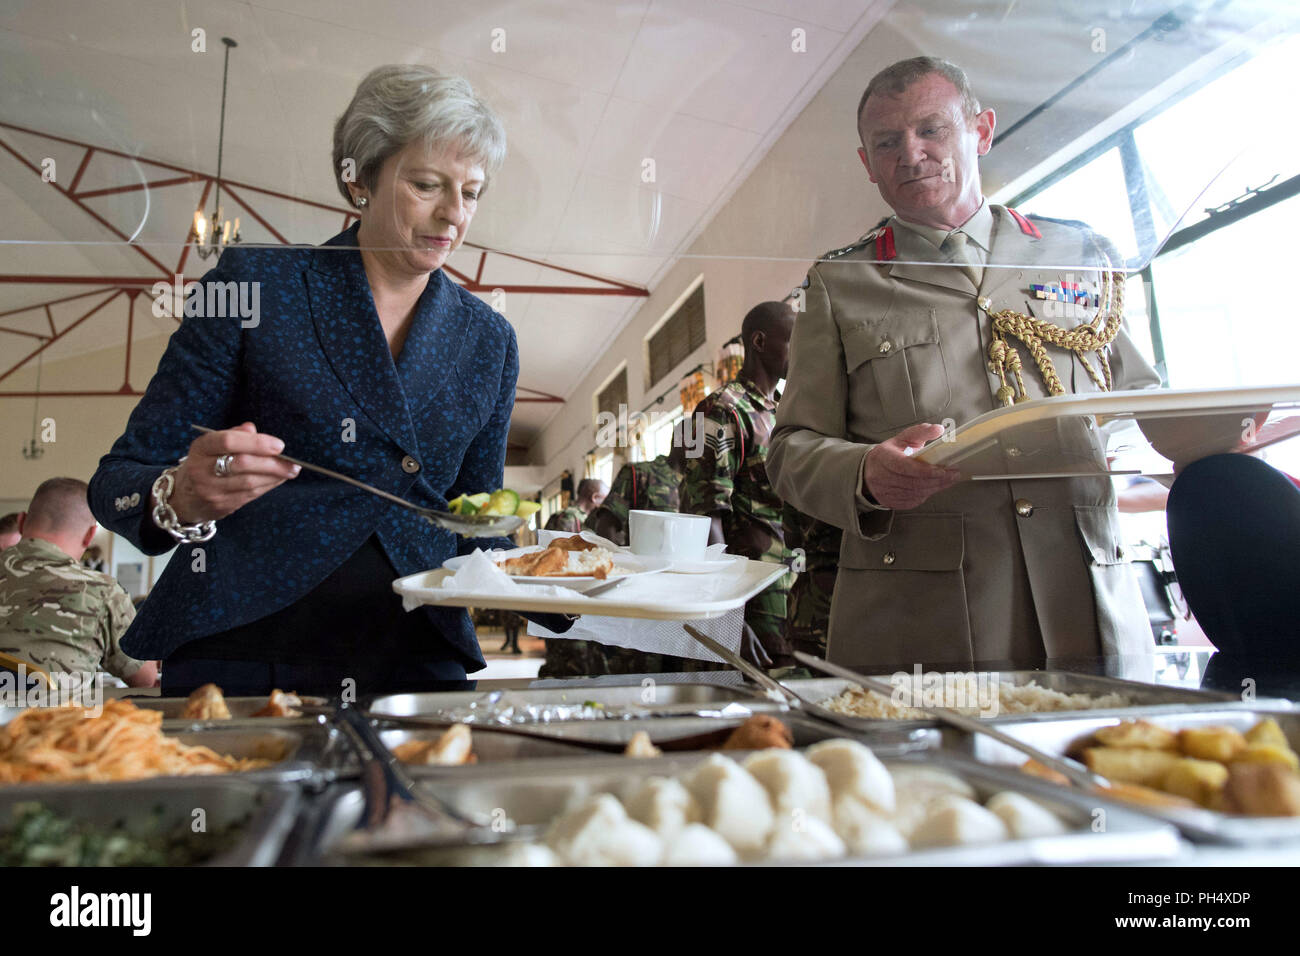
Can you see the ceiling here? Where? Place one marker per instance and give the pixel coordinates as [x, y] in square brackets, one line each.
[586, 89]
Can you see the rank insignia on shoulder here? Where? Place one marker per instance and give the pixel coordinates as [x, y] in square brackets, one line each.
[882, 236]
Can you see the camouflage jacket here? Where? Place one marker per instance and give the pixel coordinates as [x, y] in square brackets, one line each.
[60, 615]
[729, 478]
[809, 610]
[639, 486]
[569, 520]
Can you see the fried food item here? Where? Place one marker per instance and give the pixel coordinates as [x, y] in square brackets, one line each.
[452, 749]
[1148, 796]
[1044, 772]
[560, 560]
[280, 704]
[574, 543]
[1211, 743]
[641, 746]
[759, 733]
[1268, 753]
[206, 703]
[1200, 781]
[1267, 732]
[1130, 764]
[1262, 790]
[1137, 734]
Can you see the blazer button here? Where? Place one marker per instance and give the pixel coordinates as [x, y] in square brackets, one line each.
[1024, 507]
[410, 465]
[885, 347]
[985, 303]
[889, 557]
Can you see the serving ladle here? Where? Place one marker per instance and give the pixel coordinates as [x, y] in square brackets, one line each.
[468, 526]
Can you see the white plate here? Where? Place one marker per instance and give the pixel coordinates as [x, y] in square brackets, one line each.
[706, 567]
[636, 565]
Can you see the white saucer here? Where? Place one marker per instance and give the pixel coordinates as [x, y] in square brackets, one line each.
[706, 567]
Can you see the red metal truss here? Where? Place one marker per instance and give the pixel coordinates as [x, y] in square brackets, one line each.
[242, 194]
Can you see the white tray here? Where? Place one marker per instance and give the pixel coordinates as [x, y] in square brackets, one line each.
[1183, 424]
[659, 597]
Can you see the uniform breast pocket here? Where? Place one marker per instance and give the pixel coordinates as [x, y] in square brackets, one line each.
[897, 372]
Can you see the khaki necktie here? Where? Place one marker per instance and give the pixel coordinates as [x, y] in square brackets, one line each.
[956, 250]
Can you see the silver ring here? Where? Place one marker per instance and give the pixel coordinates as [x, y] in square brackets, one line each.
[221, 467]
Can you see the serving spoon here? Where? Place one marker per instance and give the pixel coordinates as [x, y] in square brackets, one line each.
[467, 526]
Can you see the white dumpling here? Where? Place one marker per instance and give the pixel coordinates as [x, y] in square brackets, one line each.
[956, 821]
[1025, 818]
[598, 833]
[802, 838]
[664, 805]
[529, 854]
[732, 802]
[853, 770]
[793, 782]
[865, 831]
[916, 787]
[697, 845]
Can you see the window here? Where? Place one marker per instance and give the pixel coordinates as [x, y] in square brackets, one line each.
[659, 437]
[681, 334]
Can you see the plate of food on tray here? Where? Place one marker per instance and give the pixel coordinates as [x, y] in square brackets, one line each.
[568, 562]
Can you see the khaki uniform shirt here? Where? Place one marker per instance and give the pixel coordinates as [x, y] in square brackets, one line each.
[60, 615]
[1007, 570]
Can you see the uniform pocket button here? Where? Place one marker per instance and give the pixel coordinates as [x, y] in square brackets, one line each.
[890, 557]
[1024, 507]
[885, 347]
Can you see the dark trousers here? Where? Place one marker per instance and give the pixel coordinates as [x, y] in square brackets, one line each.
[181, 676]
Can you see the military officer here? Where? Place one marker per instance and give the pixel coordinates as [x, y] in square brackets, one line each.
[591, 492]
[729, 482]
[53, 611]
[815, 549]
[891, 346]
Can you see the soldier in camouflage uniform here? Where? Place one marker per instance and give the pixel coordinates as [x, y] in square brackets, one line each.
[54, 612]
[566, 658]
[639, 486]
[591, 492]
[808, 616]
[728, 482]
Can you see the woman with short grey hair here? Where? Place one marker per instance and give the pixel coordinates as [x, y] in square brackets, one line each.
[366, 358]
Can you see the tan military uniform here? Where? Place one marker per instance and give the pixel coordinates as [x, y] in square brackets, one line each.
[60, 615]
[991, 570]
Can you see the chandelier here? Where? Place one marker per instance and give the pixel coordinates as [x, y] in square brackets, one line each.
[212, 234]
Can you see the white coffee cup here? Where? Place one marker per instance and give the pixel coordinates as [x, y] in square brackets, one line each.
[663, 534]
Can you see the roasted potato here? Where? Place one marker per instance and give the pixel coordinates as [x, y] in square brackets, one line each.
[1147, 796]
[1137, 734]
[1262, 790]
[1267, 732]
[1269, 753]
[1131, 764]
[1211, 743]
[1200, 781]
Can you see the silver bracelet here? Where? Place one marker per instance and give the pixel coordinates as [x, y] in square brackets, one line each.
[164, 515]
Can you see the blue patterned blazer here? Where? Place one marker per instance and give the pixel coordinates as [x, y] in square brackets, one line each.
[315, 371]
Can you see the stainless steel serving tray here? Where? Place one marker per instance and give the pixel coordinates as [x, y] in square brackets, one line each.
[649, 698]
[541, 793]
[299, 754]
[817, 691]
[1060, 735]
[270, 811]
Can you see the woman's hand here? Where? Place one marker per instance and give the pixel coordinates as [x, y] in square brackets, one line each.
[200, 495]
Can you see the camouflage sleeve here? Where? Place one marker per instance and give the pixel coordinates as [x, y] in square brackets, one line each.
[120, 615]
[619, 500]
[710, 479]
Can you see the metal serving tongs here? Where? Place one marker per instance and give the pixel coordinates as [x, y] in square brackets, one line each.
[773, 688]
[468, 526]
[383, 777]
